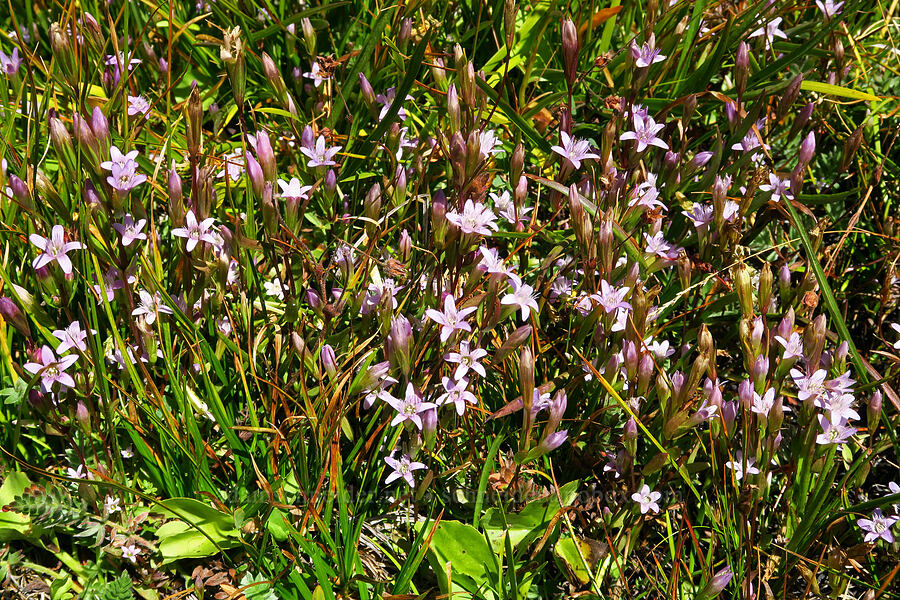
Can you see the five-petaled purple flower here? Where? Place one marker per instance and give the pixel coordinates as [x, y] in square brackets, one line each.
[54, 248]
[574, 150]
[521, 297]
[644, 133]
[879, 526]
[467, 359]
[71, 337]
[150, 307]
[645, 55]
[409, 408]
[194, 231]
[455, 392]
[451, 319]
[319, 155]
[611, 298]
[403, 469]
[52, 370]
[475, 218]
[130, 230]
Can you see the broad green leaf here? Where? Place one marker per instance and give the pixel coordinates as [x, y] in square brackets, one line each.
[13, 525]
[201, 531]
[529, 524]
[471, 559]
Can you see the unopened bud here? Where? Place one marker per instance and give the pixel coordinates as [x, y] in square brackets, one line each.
[742, 68]
[365, 88]
[807, 148]
[515, 339]
[193, 114]
[266, 155]
[570, 51]
[254, 174]
[14, 316]
[851, 146]
[789, 96]
[744, 288]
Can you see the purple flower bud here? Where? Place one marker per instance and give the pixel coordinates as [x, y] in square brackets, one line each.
[400, 185]
[557, 409]
[405, 246]
[366, 90]
[330, 181]
[717, 584]
[453, 111]
[82, 416]
[329, 360]
[429, 426]
[789, 97]
[307, 137]
[678, 381]
[570, 51]
[175, 192]
[729, 413]
[100, 127]
[756, 333]
[630, 355]
[732, 114]
[91, 195]
[851, 146]
[314, 300]
[745, 394]
[760, 370]
[801, 119]
[631, 431]
[266, 155]
[526, 378]
[807, 148]
[14, 316]
[255, 174]
[786, 325]
[553, 441]
[19, 189]
[59, 135]
[439, 217]
[399, 342]
[645, 373]
[742, 67]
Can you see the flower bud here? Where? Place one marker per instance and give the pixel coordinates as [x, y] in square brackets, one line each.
[399, 344]
[557, 409]
[509, 22]
[716, 585]
[765, 288]
[517, 162]
[273, 75]
[309, 36]
[789, 97]
[439, 218]
[801, 119]
[62, 51]
[14, 316]
[570, 51]
[745, 394]
[645, 373]
[742, 68]
[405, 246]
[100, 129]
[266, 155]
[759, 372]
[873, 412]
[851, 146]
[365, 88]
[807, 149]
[687, 110]
[429, 427]
[526, 378]
[439, 73]
[400, 186]
[404, 34]
[784, 282]
[329, 360]
[19, 190]
[743, 287]
[453, 111]
[269, 211]
[193, 114]
[254, 174]
[62, 142]
[685, 270]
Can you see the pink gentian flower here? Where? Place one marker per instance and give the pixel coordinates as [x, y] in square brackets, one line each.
[52, 370]
[54, 248]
